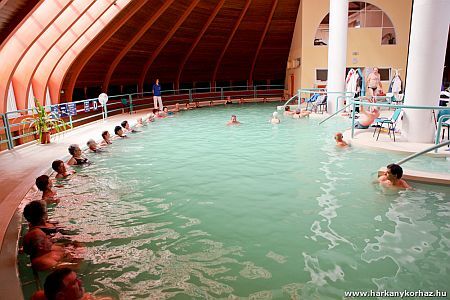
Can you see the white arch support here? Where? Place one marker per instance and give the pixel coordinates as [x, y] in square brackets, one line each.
[11, 104]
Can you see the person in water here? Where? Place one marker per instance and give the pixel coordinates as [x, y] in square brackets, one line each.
[77, 158]
[275, 119]
[340, 141]
[43, 253]
[106, 138]
[233, 121]
[92, 146]
[45, 185]
[140, 123]
[299, 113]
[287, 111]
[393, 177]
[60, 168]
[126, 127]
[119, 132]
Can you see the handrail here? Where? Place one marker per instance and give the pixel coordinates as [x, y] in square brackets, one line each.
[439, 128]
[296, 95]
[423, 152]
[329, 117]
[138, 99]
[357, 101]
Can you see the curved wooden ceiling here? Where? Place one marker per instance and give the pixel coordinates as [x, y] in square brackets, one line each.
[190, 40]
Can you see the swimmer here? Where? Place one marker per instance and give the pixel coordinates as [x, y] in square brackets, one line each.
[149, 118]
[43, 253]
[393, 177]
[275, 119]
[228, 100]
[167, 112]
[77, 158]
[287, 111]
[339, 141]
[119, 132]
[177, 107]
[187, 106]
[241, 100]
[45, 184]
[60, 168]
[300, 113]
[139, 123]
[106, 138]
[233, 121]
[64, 283]
[126, 127]
[92, 146]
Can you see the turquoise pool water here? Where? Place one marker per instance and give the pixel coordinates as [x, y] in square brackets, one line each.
[191, 208]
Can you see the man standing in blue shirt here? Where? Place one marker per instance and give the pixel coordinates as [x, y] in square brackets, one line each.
[157, 96]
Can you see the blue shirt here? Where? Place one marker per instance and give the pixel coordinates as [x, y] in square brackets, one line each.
[156, 90]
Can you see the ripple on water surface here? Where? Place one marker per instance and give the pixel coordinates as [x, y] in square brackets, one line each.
[191, 208]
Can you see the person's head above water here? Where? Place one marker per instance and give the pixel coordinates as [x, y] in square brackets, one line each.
[59, 166]
[394, 171]
[275, 115]
[233, 118]
[74, 150]
[338, 137]
[105, 134]
[63, 284]
[118, 130]
[155, 110]
[43, 183]
[92, 144]
[125, 124]
[287, 108]
[165, 109]
[34, 212]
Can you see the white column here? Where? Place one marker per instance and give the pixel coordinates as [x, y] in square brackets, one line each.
[337, 50]
[428, 44]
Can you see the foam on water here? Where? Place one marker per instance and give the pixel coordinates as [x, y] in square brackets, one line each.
[191, 208]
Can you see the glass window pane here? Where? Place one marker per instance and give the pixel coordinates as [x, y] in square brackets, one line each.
[356, 5]
[372, 7]
[386, 21]
[388, 36]
[374, 19]
[356, 19]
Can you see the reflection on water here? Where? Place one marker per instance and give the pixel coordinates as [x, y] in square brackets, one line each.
[190, 208]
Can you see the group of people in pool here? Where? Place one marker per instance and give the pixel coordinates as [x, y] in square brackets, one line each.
[47, 254]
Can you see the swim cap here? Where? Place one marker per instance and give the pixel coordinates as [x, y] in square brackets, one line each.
[275, 114]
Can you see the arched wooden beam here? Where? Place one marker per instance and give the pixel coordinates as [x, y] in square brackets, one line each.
[233, 32]
[199, 37]
[19, 44]
[133, 41]
[155, 53]
[261, 41]
[54, 56]
[31, 61]
[76, 64]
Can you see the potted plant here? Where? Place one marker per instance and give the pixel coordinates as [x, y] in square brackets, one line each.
[44, 122]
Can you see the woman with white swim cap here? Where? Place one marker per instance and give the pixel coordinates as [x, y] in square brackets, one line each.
[275, 119]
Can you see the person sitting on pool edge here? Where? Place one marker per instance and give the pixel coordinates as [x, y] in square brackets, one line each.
[106, 138]
[339, 140]
[60, 168]
[45, 184]
[275, 119]
[119, 132]
[43, 253]
[367, 118]
[77, 158]
[393, 177]
[233, 121]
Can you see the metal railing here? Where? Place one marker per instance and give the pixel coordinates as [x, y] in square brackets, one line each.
[356, 101]
[434, 147]
[84, 111]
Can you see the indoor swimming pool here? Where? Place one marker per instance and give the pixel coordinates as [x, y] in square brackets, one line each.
[192, 208]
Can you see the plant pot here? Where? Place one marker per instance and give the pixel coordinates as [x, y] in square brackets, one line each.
[45, 139]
